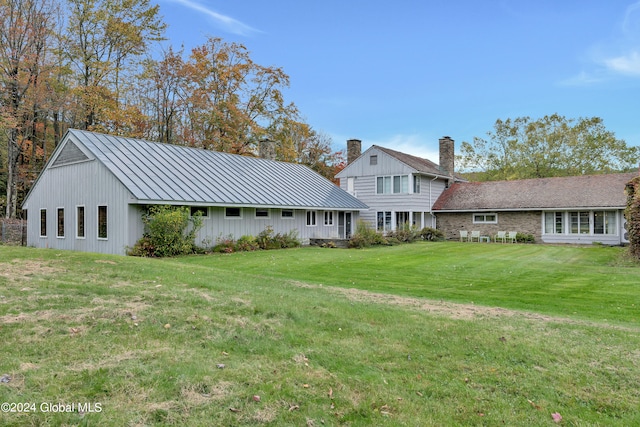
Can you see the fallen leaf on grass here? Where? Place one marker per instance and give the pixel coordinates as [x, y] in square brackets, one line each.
[533, 404]
[220, 366]
[418, 393]
[234, 410]
[293, 408]
[330, 393]
[256, 398]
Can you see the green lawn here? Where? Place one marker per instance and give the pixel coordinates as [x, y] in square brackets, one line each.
[427, 334]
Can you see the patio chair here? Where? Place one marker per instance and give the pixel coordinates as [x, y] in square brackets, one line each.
[464, 236]
[475, 235]
[511, 236]
[502, 235]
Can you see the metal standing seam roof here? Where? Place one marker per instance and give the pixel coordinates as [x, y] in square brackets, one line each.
[586, 191]
[155, 173]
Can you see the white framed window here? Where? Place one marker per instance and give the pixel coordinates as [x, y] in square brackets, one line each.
[263, 213]
[396, 184]
[43, 223]
[203, 210]
[373, 159]
[60, 223]
[102, 222]
[328, 218]
[416, 184]
[554, 223]
[311, 218]
[287, 213]
[80, 222]
[579, 222]
[485, 218]
[233, 213]
[605, 222]
[384, 221]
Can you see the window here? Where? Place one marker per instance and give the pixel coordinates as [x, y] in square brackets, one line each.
[328, 218]
[402, 218]
[384, 221]
[605, 222]
[287, 213]
[579, 222]
[373, 160]
[43, 223]
[262, 213]
[202, 210]
[60, 222]
[485, 218]
[397, 184]
[311, 218]
[416, 184]
[554, 222]
[233, 213]
[80, 222]
[102, 222]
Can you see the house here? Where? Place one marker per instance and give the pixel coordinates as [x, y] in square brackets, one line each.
[398, 188]
[576, 209]
[94, 189]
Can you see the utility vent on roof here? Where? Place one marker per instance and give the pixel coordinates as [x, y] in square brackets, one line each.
[70, 154]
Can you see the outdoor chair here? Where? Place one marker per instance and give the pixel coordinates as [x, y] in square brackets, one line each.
[464, 236]
[502, 235]
[475, 235]
[511, 236]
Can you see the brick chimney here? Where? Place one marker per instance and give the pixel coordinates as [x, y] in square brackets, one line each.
[354, 149]
[447, 157]
[267, 149]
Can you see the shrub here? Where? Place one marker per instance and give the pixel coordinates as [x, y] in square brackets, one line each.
[366, 236]
[431, 234]
[267, 240]
[525, 238]
[247, 244]
[404, 234]
[166, 232]
[225, 245]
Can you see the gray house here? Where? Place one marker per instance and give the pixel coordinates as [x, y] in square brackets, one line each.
[576, 209]
[93, 190]
[398, 188]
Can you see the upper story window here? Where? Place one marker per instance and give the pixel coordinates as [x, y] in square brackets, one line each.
[396, 184]
[416, 184]
[373, 159]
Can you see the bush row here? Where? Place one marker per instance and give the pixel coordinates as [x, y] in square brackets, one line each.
[266, 240]
[366, 236]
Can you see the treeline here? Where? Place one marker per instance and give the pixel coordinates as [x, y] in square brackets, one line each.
[85, 64]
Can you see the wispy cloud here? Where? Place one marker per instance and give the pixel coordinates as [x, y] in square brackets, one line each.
[414, 144]
[618, 56]
[227, 23]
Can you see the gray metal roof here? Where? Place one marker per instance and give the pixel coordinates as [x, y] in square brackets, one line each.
[157, 173]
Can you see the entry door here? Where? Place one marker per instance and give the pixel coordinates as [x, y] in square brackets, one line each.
[347, 225]
[341, 233]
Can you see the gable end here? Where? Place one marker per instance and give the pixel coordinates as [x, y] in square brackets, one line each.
[70, 154]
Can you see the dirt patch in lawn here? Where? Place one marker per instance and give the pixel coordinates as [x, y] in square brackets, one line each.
[20, 270]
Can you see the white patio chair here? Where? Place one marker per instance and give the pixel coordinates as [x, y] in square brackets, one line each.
[502, 235]
[511, 236]
[464, 236]
[475, 235]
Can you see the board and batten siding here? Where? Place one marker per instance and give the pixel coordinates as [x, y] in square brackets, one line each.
[89, 184]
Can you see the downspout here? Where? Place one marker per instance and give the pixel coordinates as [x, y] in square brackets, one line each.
[431, 204]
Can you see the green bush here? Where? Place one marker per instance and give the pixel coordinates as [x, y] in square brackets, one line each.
[224, 245]
[525, 238]
[366, 236]
[267, 240]
[247, 244]
[169, 231]
[431, 234]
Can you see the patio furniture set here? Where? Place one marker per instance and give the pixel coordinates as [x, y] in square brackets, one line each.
[502, 236]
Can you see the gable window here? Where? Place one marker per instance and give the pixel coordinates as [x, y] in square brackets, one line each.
[416, 184]
[43, 223]
[554, 223]
[485, 218]
[605, 222]
[396, 184]
[60, 222]
[311, 218]
[80, 222]
[102, 222]
[287, 213]
[328, 218]
[233, 213]
[262, 213]
[373, 160]
[202, 210]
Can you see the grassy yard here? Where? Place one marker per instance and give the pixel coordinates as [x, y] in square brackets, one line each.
[426, 334]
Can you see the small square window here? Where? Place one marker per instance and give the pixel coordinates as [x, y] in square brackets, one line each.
[287, 213]
[262, 213]
[203, 210]
[233, 213]
[373, 160]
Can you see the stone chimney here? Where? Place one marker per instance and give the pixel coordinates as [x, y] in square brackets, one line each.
[267, 149]
[447, 157]
[354, 149]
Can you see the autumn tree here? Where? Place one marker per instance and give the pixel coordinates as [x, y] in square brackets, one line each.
[104, 37]
[546, 147]
[25, 27]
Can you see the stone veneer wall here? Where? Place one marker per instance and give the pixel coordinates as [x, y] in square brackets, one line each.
[522, 222]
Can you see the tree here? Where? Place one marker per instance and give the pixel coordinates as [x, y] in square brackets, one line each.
[550, 146]
[25, 27]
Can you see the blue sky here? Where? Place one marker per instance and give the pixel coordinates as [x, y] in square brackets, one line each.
[402, 73]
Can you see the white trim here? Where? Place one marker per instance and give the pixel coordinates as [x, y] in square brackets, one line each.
[485, 214]
[311, 221]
